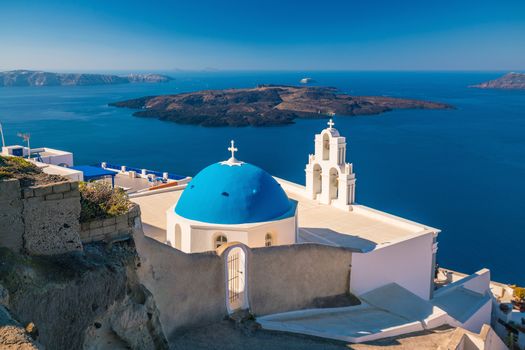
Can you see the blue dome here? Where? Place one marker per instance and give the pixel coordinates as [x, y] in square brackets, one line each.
[238, 194]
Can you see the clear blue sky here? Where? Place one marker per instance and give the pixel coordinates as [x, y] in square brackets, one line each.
[263, 34]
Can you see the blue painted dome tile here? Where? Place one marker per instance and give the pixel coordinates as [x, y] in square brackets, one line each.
[239, 194]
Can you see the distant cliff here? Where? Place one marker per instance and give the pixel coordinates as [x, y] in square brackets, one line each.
[265, 105]
[508, 81]
[38, 78]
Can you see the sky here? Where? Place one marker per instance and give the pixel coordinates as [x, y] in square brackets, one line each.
[97, 35]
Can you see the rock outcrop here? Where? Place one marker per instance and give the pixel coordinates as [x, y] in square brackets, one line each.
[83, 300]
[39, 78]
[63, 287]
[264, 105]
[508, 81]
[13, 335]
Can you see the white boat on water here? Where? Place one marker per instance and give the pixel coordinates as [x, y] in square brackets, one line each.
[307, 81]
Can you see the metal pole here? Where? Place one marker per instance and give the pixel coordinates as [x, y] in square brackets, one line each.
[2, 133]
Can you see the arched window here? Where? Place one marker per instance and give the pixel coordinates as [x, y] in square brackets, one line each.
[334, 183]
[268, 240]
[220, 240]
[326, 147]
[318, 180]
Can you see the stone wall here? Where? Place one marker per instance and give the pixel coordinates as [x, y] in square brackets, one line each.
[190, 289]
[285, 278]
[51, 213]
[110, 228]
[11, 223]
[40, 220]
[92, 300]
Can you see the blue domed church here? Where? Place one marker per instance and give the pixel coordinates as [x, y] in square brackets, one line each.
[232, 201]
[231, 207]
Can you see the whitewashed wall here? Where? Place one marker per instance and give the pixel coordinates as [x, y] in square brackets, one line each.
[282, 231]
[407, 263]
[203, 239]
[200, 237]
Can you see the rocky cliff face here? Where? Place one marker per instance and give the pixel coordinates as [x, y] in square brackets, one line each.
[13, 335]
[508, 81]
[148, 78]
[89, 300]
[38, 78]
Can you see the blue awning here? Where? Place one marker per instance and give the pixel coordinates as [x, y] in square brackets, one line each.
[94, 172]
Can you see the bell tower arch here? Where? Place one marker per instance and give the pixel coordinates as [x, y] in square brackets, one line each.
[329, 178]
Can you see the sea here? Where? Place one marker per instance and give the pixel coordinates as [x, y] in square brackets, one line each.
[460, 170]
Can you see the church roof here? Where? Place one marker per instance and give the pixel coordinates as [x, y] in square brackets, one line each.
[238, 194]
[330, 129]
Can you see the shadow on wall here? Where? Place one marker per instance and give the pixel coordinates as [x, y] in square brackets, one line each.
[293, 277]
[330, 237]
[190, 289]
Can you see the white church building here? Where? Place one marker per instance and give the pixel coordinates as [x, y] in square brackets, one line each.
[235, 201]
[282, 245]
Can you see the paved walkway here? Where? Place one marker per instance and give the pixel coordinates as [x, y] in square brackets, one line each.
[226, 336]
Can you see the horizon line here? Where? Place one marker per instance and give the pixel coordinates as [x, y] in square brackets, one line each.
[254, 70]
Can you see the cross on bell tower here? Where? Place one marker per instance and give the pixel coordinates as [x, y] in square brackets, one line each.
[330, 124]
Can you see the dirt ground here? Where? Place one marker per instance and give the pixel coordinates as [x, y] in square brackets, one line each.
[226, 335]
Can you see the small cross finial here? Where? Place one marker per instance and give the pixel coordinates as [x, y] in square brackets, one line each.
[232, 161]
[232, 149]
[330, 123]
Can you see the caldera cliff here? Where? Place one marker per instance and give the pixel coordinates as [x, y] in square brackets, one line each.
[510, 81]
[40, 78]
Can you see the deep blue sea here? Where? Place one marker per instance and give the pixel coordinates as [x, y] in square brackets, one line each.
[460, 170]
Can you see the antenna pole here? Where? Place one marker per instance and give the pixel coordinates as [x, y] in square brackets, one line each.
[2, 133]
[26, 138]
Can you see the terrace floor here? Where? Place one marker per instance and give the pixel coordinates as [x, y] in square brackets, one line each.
[128, 183]
[226, 335]
[153, 212]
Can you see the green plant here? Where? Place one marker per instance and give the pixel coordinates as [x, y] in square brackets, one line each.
[519, 294]
[99, 200]
[16, 167]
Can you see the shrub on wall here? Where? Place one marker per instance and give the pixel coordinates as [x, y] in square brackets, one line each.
[519, 294]
[98, 200]
[26, 172]
[11, 167]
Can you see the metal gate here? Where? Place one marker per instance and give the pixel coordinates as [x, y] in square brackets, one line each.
[234, 279]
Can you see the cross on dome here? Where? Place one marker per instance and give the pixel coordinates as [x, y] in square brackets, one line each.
[330, 124]
[232, 160]
[232, 149]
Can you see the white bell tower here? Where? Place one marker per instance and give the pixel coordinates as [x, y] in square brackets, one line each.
[329, 178]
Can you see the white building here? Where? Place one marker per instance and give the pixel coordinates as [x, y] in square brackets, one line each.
[42, 154]
[386, 261]
[231, 201]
